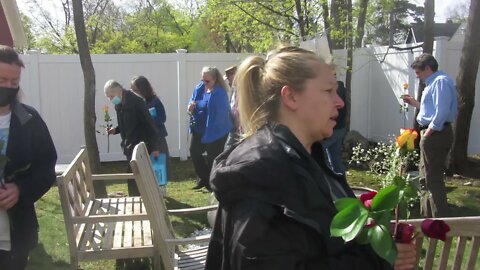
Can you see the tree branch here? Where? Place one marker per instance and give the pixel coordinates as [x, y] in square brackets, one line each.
[262, 22]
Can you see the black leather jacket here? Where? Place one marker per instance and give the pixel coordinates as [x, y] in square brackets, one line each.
[276, 206]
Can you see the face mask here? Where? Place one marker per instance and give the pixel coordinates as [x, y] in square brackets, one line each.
[7, 95]
[116, 100]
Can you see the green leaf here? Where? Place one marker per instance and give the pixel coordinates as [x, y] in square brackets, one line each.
[382, 243]
[386, 199]
[348, 222]
[362, 237]
[343, 203]
[399, 182]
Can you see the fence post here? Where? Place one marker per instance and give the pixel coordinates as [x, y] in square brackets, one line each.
[182, 99]
[440, 51]
[34, 80]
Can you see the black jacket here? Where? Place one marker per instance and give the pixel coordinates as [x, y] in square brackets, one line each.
[135, 124]
[29, 143]
[276, 206]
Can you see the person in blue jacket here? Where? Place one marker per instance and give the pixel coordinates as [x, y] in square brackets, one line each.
[141, 86]
[210, 122]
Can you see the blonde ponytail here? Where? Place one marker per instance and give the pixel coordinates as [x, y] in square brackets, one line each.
[249, 81]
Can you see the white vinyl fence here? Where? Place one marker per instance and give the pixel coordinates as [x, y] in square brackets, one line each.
[53, 84]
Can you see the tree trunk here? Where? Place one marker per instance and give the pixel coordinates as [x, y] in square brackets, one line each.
[348, 79]
[338, 12]
[427, 48]
[326, 23]
[361, 23]
[429, 26]
[466, 88]
[89, 117]
[301, 20]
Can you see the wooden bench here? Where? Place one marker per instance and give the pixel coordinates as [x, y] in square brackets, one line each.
[102, 228]
[464, 238]
[163, 233]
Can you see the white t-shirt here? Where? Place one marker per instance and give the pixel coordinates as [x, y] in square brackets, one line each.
[4, 222]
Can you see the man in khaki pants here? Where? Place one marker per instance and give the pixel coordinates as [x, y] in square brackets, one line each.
[438, 110]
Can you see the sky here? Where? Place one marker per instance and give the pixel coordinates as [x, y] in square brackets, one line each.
[441, 6]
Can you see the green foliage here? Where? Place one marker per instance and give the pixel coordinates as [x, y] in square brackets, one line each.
[352, 218]
[383, 160]
[378, 20]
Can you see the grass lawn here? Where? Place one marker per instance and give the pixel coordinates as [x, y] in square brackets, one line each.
[52, 252]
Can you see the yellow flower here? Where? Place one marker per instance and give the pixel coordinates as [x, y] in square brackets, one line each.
[405, 86]
[407, 137]
[105, 109]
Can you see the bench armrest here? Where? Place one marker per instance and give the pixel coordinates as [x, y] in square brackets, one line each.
[112, 176]
[185, 211]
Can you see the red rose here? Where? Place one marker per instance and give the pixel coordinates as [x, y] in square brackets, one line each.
[435, 228]
[404, 233]
[366, 198]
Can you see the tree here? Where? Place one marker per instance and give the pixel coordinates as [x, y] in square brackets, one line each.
[385, 16]
[258, 25]
[362, 14]
[466, 79]
[89, 117]
[458, 12]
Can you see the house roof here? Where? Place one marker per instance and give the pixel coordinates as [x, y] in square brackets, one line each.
[416, 32]
[11, 27]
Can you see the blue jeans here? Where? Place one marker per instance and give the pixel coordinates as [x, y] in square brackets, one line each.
[333, 146]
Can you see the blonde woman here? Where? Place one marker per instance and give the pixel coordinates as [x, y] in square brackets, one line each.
[275, 190]
[210, 122]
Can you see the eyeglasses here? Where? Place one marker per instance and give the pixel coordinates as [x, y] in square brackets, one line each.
[206, 81]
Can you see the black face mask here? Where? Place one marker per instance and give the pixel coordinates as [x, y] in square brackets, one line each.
[7, 95]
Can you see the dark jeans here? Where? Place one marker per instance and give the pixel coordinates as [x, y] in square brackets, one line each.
[7, 262]
[201, 164]
[433, 158]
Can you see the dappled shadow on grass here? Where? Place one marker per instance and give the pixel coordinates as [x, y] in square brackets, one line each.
[40, 259]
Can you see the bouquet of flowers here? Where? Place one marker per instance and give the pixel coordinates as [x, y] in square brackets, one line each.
[368, 219]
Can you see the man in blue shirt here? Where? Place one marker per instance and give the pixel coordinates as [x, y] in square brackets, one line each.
[437, 111]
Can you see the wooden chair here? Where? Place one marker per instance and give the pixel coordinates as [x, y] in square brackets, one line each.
[102, 228]
[166, 244]
[464, 235]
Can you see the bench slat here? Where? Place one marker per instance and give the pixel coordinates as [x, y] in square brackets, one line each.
[137, 228]
[472, 259]
[119, 226]
[457, 263]
[445, 253]
[107, 242]
[127, 240]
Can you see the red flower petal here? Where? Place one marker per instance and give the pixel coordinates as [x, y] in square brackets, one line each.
[435, 228]
[404, 233]
[367, 196]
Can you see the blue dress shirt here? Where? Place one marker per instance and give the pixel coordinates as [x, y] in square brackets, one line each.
[439, 101]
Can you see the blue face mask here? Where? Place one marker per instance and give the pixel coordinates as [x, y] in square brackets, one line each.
[116, 100]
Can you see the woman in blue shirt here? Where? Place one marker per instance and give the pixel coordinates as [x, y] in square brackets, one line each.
[210, 122]
[141, 86]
